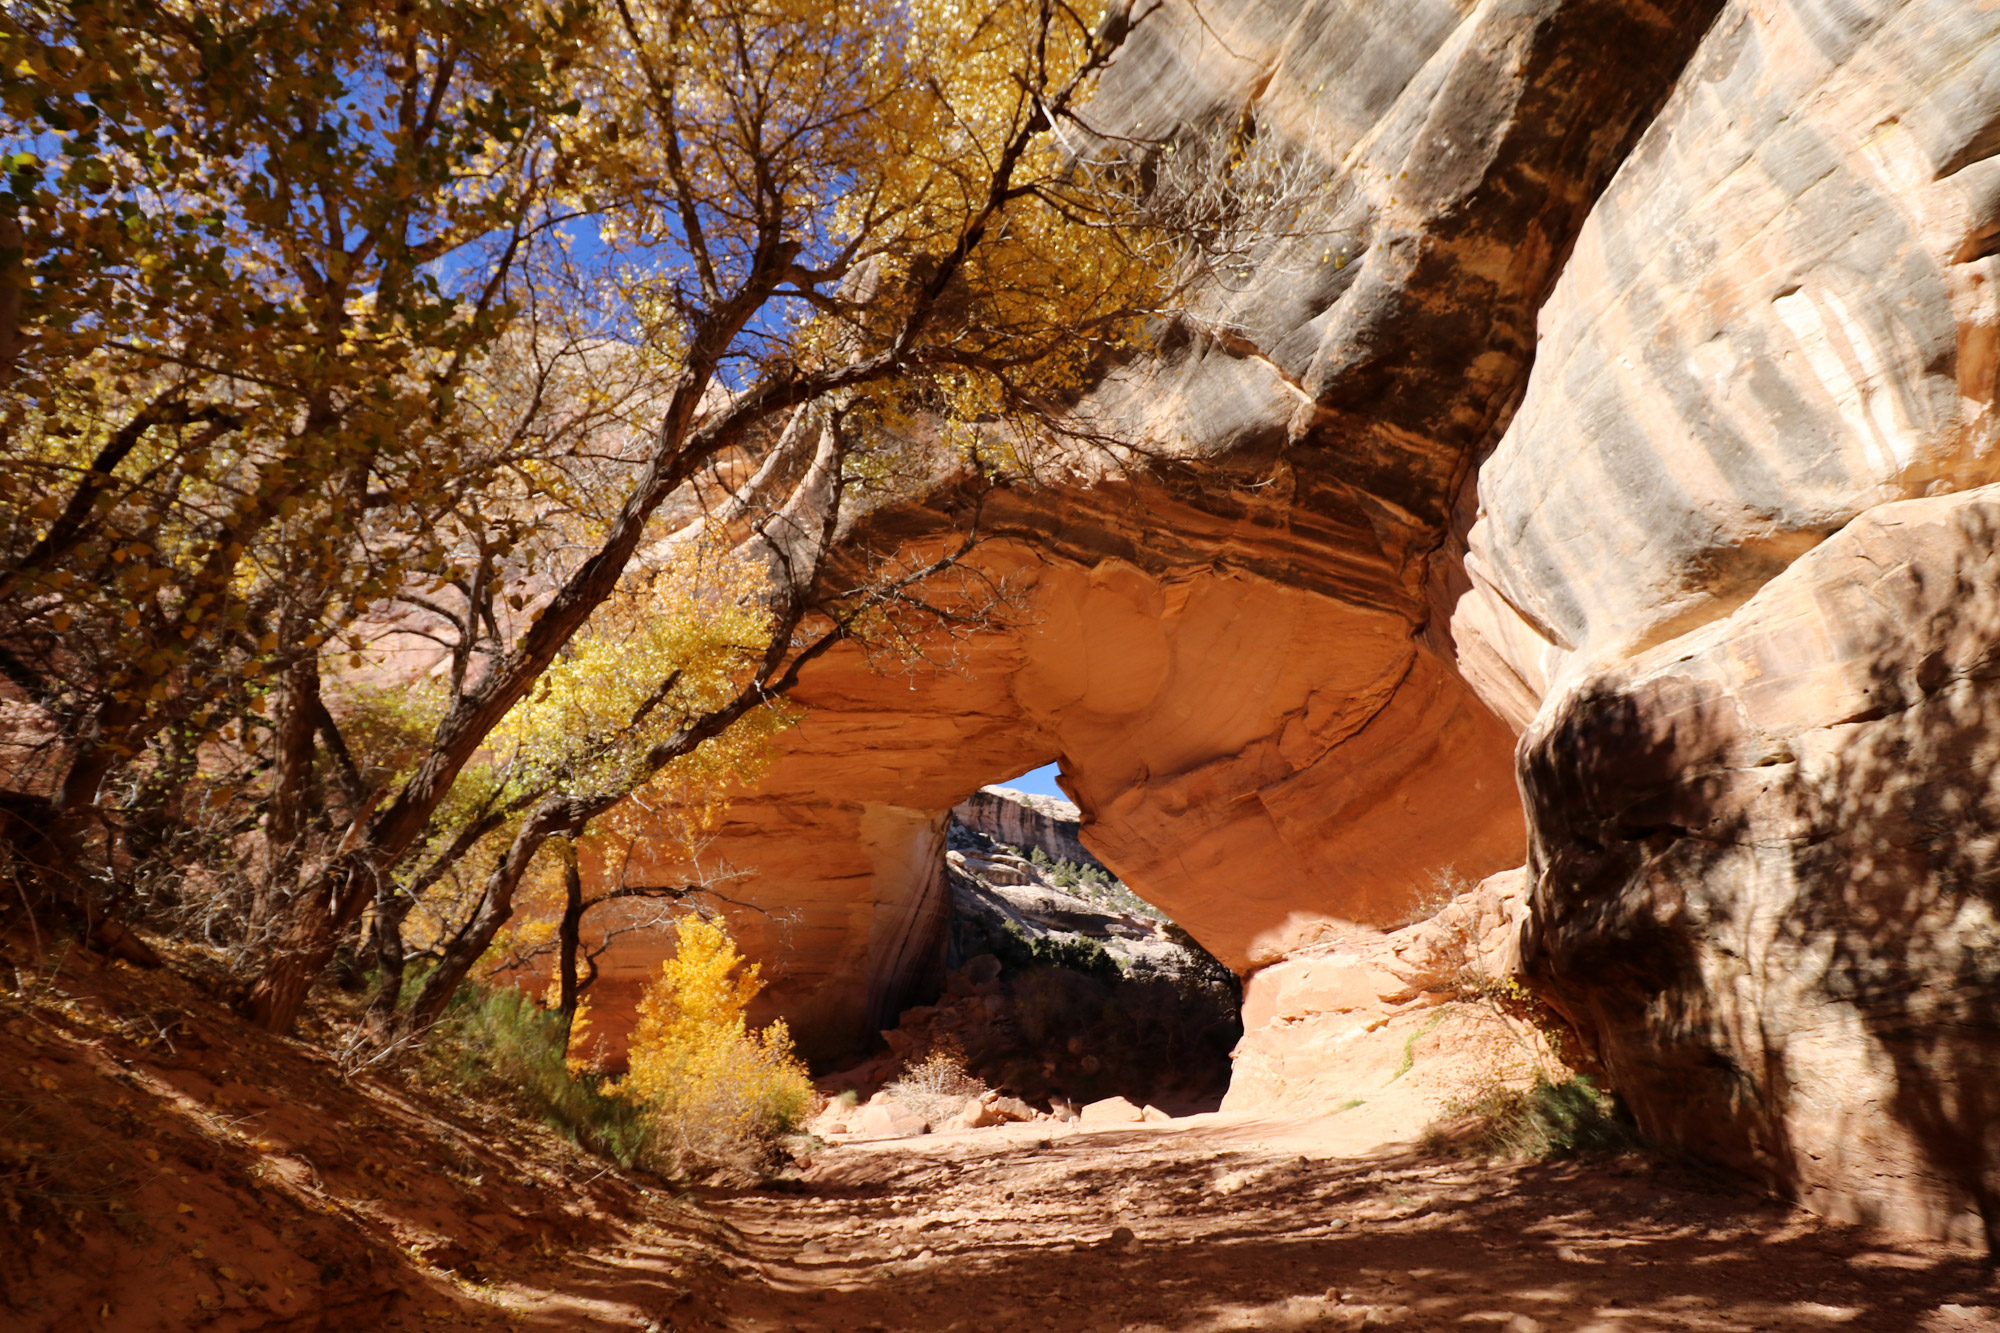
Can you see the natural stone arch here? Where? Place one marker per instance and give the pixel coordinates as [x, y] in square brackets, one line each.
[1296, 494]
[1254, 757]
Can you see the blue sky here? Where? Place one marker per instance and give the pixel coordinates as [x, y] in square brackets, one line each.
[1042, 782]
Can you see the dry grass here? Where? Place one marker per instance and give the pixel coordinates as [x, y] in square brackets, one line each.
[1543, 1120]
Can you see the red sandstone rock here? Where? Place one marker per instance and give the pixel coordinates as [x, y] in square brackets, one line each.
[887, 1120]
[1236, 654]
[1698, 571]
[1111, 1111]
[1750, 654]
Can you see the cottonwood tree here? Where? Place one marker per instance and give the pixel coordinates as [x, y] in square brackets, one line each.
[556, 928]
[247, 254]
[846, 216]
[680, 642]
[833, 246]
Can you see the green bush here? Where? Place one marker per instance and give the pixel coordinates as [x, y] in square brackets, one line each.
[497, 1041]
[1019, 954]
[1078, 955]
[1539, 1121]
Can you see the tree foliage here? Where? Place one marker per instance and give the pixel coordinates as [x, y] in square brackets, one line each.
[427, 424]
[719, 1091]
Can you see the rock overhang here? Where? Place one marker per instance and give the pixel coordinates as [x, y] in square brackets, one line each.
[1235, 630]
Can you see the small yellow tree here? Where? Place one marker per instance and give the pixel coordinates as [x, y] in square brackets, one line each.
[722, 1093]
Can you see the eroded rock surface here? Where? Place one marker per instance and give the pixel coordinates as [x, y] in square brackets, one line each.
[1024, 820]
[1395, 1027]
[1781, 314]
[1767, 857]
[1727, 571]
[1752, 662]
[1228, 633]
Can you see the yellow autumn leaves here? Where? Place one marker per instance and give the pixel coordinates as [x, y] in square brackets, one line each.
[695, 626]
[720, 1092]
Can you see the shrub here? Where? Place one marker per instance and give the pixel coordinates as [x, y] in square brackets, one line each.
[937, 1086]
[1544, 1119]
[500, 1041]
[1078, 954]
[718, 1095]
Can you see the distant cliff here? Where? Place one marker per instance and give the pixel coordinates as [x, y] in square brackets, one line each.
[1022, 819]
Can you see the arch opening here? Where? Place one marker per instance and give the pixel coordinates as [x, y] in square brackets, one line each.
[1265, 763]
[1061, 984]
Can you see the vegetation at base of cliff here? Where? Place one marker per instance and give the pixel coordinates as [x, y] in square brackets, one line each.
[1018, 954]
[1078, 1021]
[718, 1096]
[499, 1044]
[937, 1085]
[1545, 1119]
[1093, 884]
[704, 1095]
[1073, 1024]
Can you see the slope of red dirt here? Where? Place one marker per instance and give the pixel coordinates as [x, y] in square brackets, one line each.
[162, 1166]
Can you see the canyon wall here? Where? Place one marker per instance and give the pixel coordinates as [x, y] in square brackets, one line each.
[1227, 631]
[1734, 572]
[1025, 820]
[1624, 430]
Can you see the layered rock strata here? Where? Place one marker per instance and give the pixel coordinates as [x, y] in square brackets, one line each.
[1726, 571]
[1767, 855]
[1026, 821]
[1227, 630]
[1751, 657]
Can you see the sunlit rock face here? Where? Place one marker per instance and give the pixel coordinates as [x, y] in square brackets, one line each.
[1233, 633]
[1767, 856]
[1388, 1027]
[1635, 397]
[1257, 760]
[1026, 821]
[1754, 663]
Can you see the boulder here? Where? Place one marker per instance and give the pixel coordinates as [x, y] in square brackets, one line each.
[1768, 885]
[1111, 1111]
[979, 1113]
[832, 1118]
[888, 1120]
[1733, 576]
[1366, 1017]
[1011, 1109]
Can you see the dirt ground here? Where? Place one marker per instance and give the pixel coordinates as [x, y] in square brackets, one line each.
[164, 1168]
[1220, 1222]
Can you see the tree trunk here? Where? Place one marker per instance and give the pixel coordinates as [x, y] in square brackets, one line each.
[390, 909]
[569, 936]
[298, 711]
[327, 907]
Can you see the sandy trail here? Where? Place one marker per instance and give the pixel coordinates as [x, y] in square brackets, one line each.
[1218, 1222]
[224, 1180]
